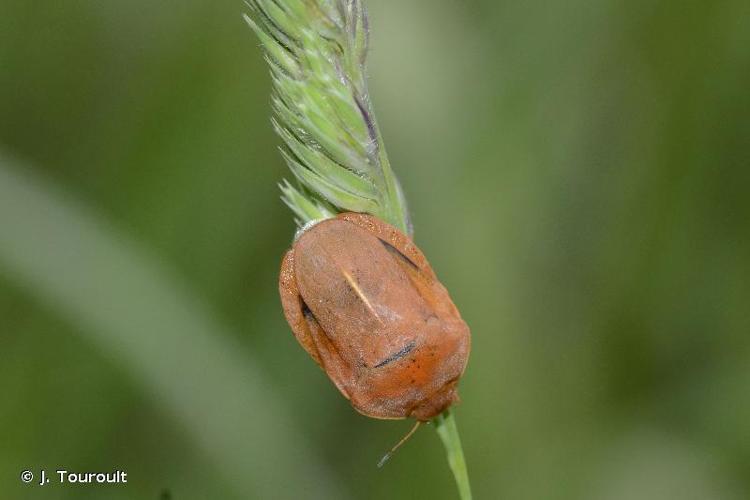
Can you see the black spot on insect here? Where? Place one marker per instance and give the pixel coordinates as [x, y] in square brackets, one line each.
[306, 311]
[312, 321]
[395, 251]
[397, 355]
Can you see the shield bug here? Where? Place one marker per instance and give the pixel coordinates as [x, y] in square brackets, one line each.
[364, 302]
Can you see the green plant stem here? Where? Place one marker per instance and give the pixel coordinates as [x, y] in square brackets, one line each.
[317, 51]
[445, 425]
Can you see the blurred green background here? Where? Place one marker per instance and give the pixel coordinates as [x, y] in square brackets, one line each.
[578, 174]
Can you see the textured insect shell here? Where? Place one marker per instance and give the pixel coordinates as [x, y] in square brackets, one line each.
[365, 303]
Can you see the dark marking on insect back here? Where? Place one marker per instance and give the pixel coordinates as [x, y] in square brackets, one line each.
[395, 251]
[309, 315]
[397, 355]
[306, 310]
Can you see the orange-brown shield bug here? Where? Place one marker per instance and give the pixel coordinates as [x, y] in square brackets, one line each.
[364, 302]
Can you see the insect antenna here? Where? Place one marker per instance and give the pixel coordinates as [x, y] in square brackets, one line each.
[398, 445]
